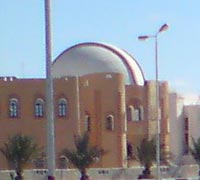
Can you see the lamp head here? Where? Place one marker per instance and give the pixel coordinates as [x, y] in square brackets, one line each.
[143, 38]
[164, 27]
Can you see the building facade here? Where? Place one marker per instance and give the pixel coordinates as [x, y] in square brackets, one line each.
[191, 122]
[99, 89]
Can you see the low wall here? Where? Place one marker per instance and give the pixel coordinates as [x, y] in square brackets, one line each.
[105, 174]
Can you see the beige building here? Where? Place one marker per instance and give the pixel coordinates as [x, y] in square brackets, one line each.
[176, 103]
[98, 88]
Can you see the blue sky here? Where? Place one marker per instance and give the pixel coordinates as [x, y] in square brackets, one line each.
[22, 47]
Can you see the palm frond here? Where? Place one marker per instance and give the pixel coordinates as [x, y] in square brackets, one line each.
[19, 150]
[146, 152]
[195, 151]
[83, 155]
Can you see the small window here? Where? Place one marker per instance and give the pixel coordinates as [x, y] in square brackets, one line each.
[87, 123]
[108, 76]
[13, 108]
[62, 107]
[110, 122]
[86, 83]
[39, 107]
[186, 124]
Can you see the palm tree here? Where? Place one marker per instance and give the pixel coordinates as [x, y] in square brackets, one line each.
[83, 155]
[195, 151]
[146, 154]
[19, 150]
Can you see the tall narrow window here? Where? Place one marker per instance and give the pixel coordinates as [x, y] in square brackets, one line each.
[13, 108]
[130, 113]
[110, 122]
[87, 123]
[136, 114]
[62, 107]
[39, 107]
[141, 113]
[186, 143]
[186, 124]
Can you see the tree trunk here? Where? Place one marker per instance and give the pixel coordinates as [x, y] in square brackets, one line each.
[84, 175]
[147, 170]
[19, 175]
[146, 173]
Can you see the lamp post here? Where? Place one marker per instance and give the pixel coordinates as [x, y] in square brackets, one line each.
[164, 27]
[49, 96]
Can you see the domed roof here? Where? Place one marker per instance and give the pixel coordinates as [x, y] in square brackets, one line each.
[89, 58]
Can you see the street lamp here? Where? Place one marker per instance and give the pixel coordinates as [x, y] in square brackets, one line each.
[49, 96]
[164, 27]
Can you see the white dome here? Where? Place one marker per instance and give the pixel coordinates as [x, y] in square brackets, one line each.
[89, 58]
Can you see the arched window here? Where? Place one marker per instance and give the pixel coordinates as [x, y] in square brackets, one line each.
[87, 123]
[13, 108]
[62, 107]
[135, 113]
[110, 122]
[130, 113]
[39, 107]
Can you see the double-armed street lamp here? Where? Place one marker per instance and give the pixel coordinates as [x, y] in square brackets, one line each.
[164, 27]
